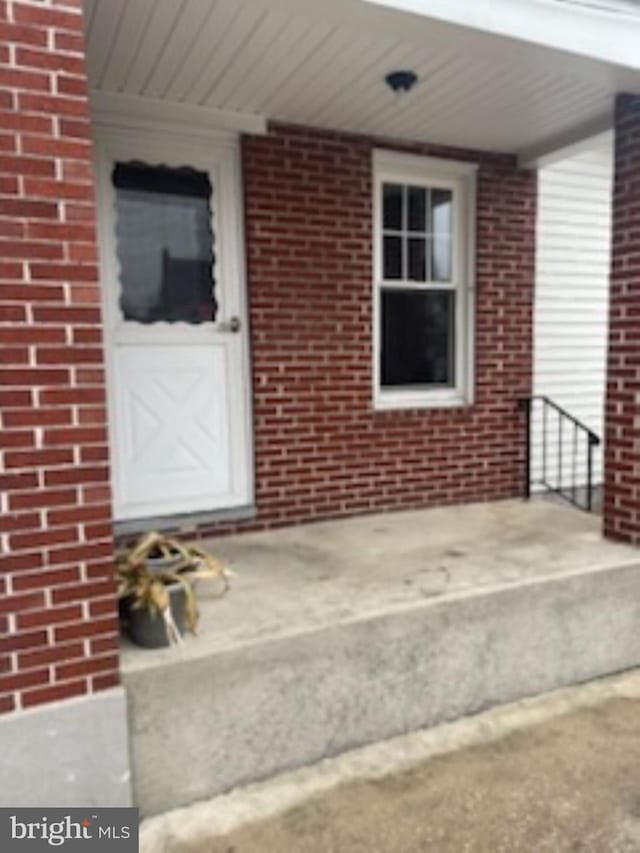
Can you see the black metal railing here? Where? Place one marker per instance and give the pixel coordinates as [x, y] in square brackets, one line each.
[558, 426]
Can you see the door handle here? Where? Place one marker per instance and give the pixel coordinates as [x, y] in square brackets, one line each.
[233, 325]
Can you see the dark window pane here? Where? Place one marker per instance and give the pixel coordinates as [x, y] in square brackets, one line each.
[440, 258]
[417, 209]
[392, 261]
[417, 259]
[417, 338]
[441, 211]
[164, 243]
[392, 206]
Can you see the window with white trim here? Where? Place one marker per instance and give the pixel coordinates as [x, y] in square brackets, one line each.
[424, 223]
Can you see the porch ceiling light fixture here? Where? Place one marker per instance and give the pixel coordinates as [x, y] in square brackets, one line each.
[401, 80]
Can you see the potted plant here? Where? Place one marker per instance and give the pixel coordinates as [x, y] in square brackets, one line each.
[156, 588]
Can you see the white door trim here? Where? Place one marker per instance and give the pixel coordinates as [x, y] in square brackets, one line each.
[220, 156]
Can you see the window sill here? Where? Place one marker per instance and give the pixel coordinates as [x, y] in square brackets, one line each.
[401, 400]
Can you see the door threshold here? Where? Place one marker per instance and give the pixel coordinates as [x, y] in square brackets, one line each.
[186, 522]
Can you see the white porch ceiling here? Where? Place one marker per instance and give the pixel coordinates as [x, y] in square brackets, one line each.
[323, 64]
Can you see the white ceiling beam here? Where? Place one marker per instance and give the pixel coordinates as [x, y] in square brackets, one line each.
[564, 144]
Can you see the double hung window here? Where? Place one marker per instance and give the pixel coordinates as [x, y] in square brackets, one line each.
[423, 286]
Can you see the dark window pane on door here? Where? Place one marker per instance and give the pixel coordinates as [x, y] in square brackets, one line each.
[392, 206]
[417, 338]
[417, 259]
[164, 243]
[417, 209]
[392, 257]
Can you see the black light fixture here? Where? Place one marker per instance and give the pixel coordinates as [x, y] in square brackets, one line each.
[401, 81]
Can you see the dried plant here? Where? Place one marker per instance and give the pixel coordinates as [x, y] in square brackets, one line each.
[147, 589]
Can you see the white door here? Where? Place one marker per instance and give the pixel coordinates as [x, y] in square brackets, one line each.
[176, 330]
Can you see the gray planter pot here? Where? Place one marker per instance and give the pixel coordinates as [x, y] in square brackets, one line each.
[155, 565]
[148, 629]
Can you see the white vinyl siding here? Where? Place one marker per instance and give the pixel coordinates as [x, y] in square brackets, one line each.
[572, 293]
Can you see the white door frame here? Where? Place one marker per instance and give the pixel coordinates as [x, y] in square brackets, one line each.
[218, 153]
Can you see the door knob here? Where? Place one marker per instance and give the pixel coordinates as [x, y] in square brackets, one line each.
[232, 325]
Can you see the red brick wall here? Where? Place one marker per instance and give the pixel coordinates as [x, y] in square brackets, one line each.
[320, 449]
[622, 446]
[57, 608]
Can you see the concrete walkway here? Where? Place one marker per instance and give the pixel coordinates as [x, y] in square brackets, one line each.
[556, 773]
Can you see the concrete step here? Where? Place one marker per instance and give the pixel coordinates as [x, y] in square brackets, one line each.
[207, 824]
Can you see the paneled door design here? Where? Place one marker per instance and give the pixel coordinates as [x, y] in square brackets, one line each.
[176, 331]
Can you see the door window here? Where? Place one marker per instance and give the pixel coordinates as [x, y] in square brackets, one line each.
[164, 243]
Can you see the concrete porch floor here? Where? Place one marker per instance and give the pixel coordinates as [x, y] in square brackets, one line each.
[302, 578]
[343, 633]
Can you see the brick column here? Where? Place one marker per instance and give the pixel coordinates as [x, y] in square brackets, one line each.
[58, 629]
[622, 458]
